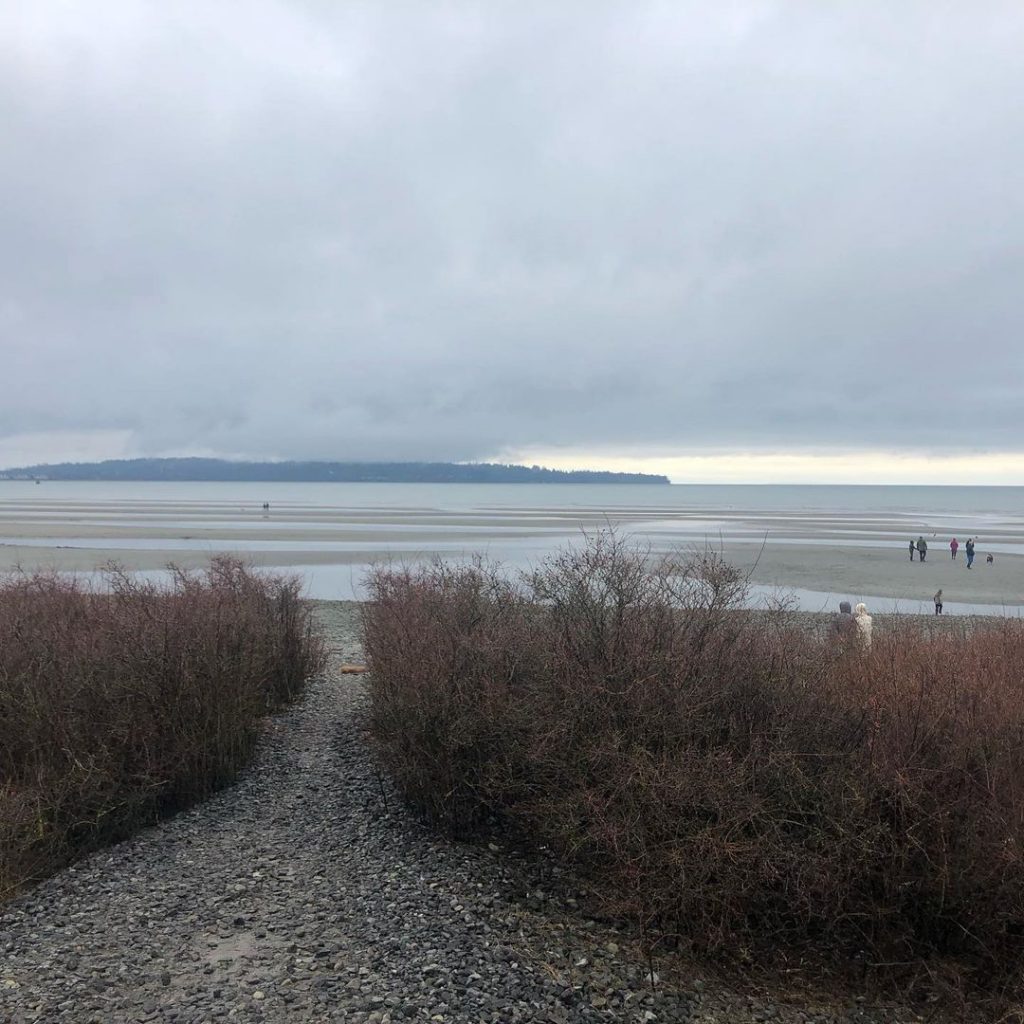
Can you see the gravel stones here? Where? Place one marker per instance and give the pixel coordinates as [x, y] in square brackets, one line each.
[295, 896]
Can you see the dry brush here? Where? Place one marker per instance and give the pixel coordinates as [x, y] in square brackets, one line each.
[123, 703]
[731, 780]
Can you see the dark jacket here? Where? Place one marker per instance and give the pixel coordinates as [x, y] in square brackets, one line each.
[844, 622]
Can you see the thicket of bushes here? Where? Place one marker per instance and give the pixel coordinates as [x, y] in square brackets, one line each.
[730, 780]
[122, 704]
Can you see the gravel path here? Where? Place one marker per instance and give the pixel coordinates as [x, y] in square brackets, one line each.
[295, 896]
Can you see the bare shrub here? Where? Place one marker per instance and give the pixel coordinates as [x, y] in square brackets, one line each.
[446, 648]
[729, 779]
[117, 706]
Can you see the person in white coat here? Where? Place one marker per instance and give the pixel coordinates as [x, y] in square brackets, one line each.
[863, 620]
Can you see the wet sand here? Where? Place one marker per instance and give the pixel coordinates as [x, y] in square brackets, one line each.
[864, 572]
[829, 553]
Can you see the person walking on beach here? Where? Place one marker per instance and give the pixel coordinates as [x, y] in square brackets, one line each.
[863, 620]
[938, 601]
[954, 546]
[969, 548]
[922, 548]
[911, 549]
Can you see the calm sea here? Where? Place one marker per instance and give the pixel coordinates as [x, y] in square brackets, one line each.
[916, 500]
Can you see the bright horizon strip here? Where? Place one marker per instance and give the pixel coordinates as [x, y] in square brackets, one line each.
[859, 467]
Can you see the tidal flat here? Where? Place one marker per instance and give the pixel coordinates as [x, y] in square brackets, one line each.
[815, 546]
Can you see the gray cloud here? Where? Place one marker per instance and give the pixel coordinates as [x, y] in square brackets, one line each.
[390, 230]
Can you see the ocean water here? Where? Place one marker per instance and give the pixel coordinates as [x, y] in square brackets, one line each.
[797, 498]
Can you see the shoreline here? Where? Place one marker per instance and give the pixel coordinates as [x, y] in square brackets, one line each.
[328, 579]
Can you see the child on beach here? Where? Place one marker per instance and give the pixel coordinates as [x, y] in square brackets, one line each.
[954, 545]
[911, 549]
[938, 601]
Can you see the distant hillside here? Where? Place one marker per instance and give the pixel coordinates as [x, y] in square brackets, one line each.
[313, 472]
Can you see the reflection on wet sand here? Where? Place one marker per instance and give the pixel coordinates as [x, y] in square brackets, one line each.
[820, 554]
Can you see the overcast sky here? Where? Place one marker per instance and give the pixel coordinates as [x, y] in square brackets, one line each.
[590, 233]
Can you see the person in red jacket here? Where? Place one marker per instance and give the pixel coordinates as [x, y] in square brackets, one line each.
[954, 544]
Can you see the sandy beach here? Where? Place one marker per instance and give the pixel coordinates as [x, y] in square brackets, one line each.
[817, 554]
